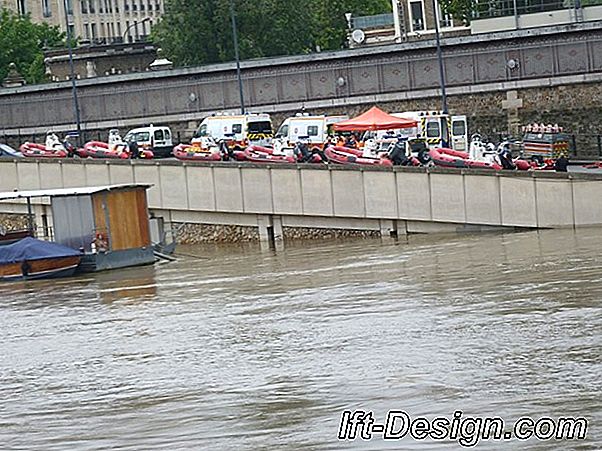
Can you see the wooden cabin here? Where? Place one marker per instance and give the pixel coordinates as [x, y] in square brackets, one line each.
[110, 224]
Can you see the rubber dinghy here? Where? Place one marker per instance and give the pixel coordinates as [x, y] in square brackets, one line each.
[347, 155]
[450, 158]
[260, 154]
[99, 149]
[194, 153]
[41, 151]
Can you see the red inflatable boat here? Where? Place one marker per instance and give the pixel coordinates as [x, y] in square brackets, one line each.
[347, 155]
[98, 149]
[455, 159]
[259, 154]
[188, 152]
[41, 151]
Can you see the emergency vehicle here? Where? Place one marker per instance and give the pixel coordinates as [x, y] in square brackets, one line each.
[542, 142]
[240, 130]
[313, 129]
[157, 139]
[434, 127]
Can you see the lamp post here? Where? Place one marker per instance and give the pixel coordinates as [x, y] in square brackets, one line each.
[72, 74]
[440, 58]
[237, 57]
[135, 24]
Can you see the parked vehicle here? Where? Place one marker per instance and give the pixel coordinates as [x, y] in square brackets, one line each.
[542, 142]
[240, 131]
[303, 127]
[157, 139]
[434, 127]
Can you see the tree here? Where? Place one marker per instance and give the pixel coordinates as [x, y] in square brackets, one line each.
[22, 42]
[199, 31]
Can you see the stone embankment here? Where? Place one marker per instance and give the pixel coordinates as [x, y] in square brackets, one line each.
[209, 233]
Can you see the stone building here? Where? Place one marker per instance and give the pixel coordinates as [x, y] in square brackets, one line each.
[96, 21]
[100, 60]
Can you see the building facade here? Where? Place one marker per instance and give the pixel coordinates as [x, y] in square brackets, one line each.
[95, 21]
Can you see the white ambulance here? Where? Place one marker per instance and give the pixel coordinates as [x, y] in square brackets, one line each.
[313, 129]
[434, 127]
[240, 130]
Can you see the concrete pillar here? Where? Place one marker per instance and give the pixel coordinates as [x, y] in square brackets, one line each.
[388, 229]
[277, 226]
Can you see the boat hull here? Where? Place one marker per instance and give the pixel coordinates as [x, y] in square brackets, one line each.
[34, 150]
[347, 155]
[188, 153]
[49, 268]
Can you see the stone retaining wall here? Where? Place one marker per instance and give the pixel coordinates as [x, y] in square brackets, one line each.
[208, 233]
[13, 221]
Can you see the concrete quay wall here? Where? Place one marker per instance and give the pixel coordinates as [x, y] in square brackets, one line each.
[273, 198]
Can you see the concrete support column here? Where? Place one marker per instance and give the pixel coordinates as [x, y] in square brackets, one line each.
[277, 226]
[266, 230]
[388, 228]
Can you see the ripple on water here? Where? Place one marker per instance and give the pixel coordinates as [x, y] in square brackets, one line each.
[262, 350]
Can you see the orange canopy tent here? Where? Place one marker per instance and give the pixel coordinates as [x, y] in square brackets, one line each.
[374, 119]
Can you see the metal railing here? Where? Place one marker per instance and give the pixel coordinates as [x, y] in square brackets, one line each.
[502, 8]
[377, 21]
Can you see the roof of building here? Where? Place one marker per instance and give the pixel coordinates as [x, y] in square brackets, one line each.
[86, 190]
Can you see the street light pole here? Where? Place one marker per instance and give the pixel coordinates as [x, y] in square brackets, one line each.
[440, 59]
[72, 73]
[236, 55]
[135, 24]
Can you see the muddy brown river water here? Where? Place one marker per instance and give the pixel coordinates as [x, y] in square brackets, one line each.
[244, 349]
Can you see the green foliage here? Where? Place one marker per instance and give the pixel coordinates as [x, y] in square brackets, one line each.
[200, 31]
[22, 41]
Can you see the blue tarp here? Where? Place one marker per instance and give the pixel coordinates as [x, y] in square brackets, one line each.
[33, 249]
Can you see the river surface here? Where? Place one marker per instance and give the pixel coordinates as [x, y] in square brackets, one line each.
[250, 349]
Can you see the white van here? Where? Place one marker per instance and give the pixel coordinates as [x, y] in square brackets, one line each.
[314, 129]
[242, 130]
[158, 139]
[437, 130]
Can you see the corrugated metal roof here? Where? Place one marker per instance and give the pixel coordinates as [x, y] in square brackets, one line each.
[86, 190]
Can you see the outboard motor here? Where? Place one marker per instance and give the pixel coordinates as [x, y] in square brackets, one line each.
[561, 164]
[397, 153]
[505, 155]
[301, 150]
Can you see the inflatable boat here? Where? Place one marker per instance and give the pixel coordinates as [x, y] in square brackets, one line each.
[194, 153]
[41, 151]
[260, 154]
[347, 155]
[456, 159]
[98, 149]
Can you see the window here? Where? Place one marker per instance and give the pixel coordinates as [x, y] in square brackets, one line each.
[83, 5]
[126, 6]
[283, 132]
[432, 129]
[141, 5]
[21, 7]
[87, 31]
[417, 15]
[202, 131]
[118, 29]
[445, 19]
[236, 128]
[458, 128]
[93, 30]
[102, 30]
[259, 127]
[100, 9]
[312, 130]
[46, 12]
[167, 135]
[134, 6]
[158, 135]
[69, 7]
[91, 7]
[157, 5]
[150, 5]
